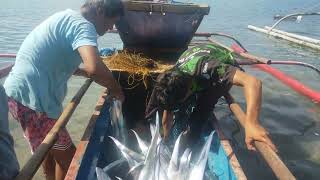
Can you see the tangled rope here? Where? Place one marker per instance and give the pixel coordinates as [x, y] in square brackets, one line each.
[138, 67]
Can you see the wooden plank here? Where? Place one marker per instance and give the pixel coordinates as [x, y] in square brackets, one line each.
[229, 152]
[272, 159]
[166, 7]
[5, 70]
[82, 146]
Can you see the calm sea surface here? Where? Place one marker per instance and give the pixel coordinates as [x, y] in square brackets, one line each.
[293, 120]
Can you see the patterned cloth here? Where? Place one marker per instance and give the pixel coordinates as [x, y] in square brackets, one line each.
[36, 126]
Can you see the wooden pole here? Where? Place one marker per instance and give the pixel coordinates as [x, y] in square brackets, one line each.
[289, 81]
[294, 14]
[272, 159]
[299, 37]
[297, 41]
[243, 54]
[31, 167]
[5, 70]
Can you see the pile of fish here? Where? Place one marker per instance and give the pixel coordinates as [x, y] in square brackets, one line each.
[156, 162]
[117, 121]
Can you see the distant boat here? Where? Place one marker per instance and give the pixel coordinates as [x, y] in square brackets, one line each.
[278, 16]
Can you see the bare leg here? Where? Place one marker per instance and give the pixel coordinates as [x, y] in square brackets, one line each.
[48, 165]
[63, 159]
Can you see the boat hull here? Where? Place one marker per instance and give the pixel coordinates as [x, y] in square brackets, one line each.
[155, 28]
[96, 149]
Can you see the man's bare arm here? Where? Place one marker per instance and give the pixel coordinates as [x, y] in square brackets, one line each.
[167, 122]
[81, 72]
[253, 92]
[98, 71]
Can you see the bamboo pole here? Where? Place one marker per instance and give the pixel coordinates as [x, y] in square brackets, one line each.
[31, 167]
[272, 159]
[243, 54]
[7, 55]
[300, 42]
[294, 14]
[299, 37]
[287, 80]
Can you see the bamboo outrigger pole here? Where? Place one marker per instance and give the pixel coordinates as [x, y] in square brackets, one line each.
[272, 159]
[291, 82]
[243, 54]
[297, 41]
[31, 167]
[292, 15]
[299, 37]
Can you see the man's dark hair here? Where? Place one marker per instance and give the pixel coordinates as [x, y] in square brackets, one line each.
[112, 8]
[171, 88]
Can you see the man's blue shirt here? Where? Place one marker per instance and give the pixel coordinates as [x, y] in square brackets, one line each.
[46, 60]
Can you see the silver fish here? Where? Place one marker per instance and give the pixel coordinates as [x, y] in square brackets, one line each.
[132, 157]
[200, 165]
[136, 167]
[113, 164]
[149, 164]
[117, 121]
[152, 130]
[101, 175]
[157, 163]
[163, 160]
[154, 142]
[173, 164]
[142, 145]
[184, 165]
[161, 164]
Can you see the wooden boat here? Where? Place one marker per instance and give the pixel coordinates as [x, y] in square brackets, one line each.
[96, 149]
[157, 30]
[138, 32]
[154, 28]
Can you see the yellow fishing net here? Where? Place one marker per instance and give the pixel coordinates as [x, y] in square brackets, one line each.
[136, 65]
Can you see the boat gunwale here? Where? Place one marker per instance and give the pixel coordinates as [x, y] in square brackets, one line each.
[179, 8]
[4, 71]
[233, 160]
[83, 144]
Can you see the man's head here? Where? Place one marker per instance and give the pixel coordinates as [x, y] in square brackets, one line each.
[172, 88]
[103, 13]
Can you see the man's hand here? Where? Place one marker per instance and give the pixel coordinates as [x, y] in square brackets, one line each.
[253, 92]
[99, 72]
[257, 133]
[81, 72]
